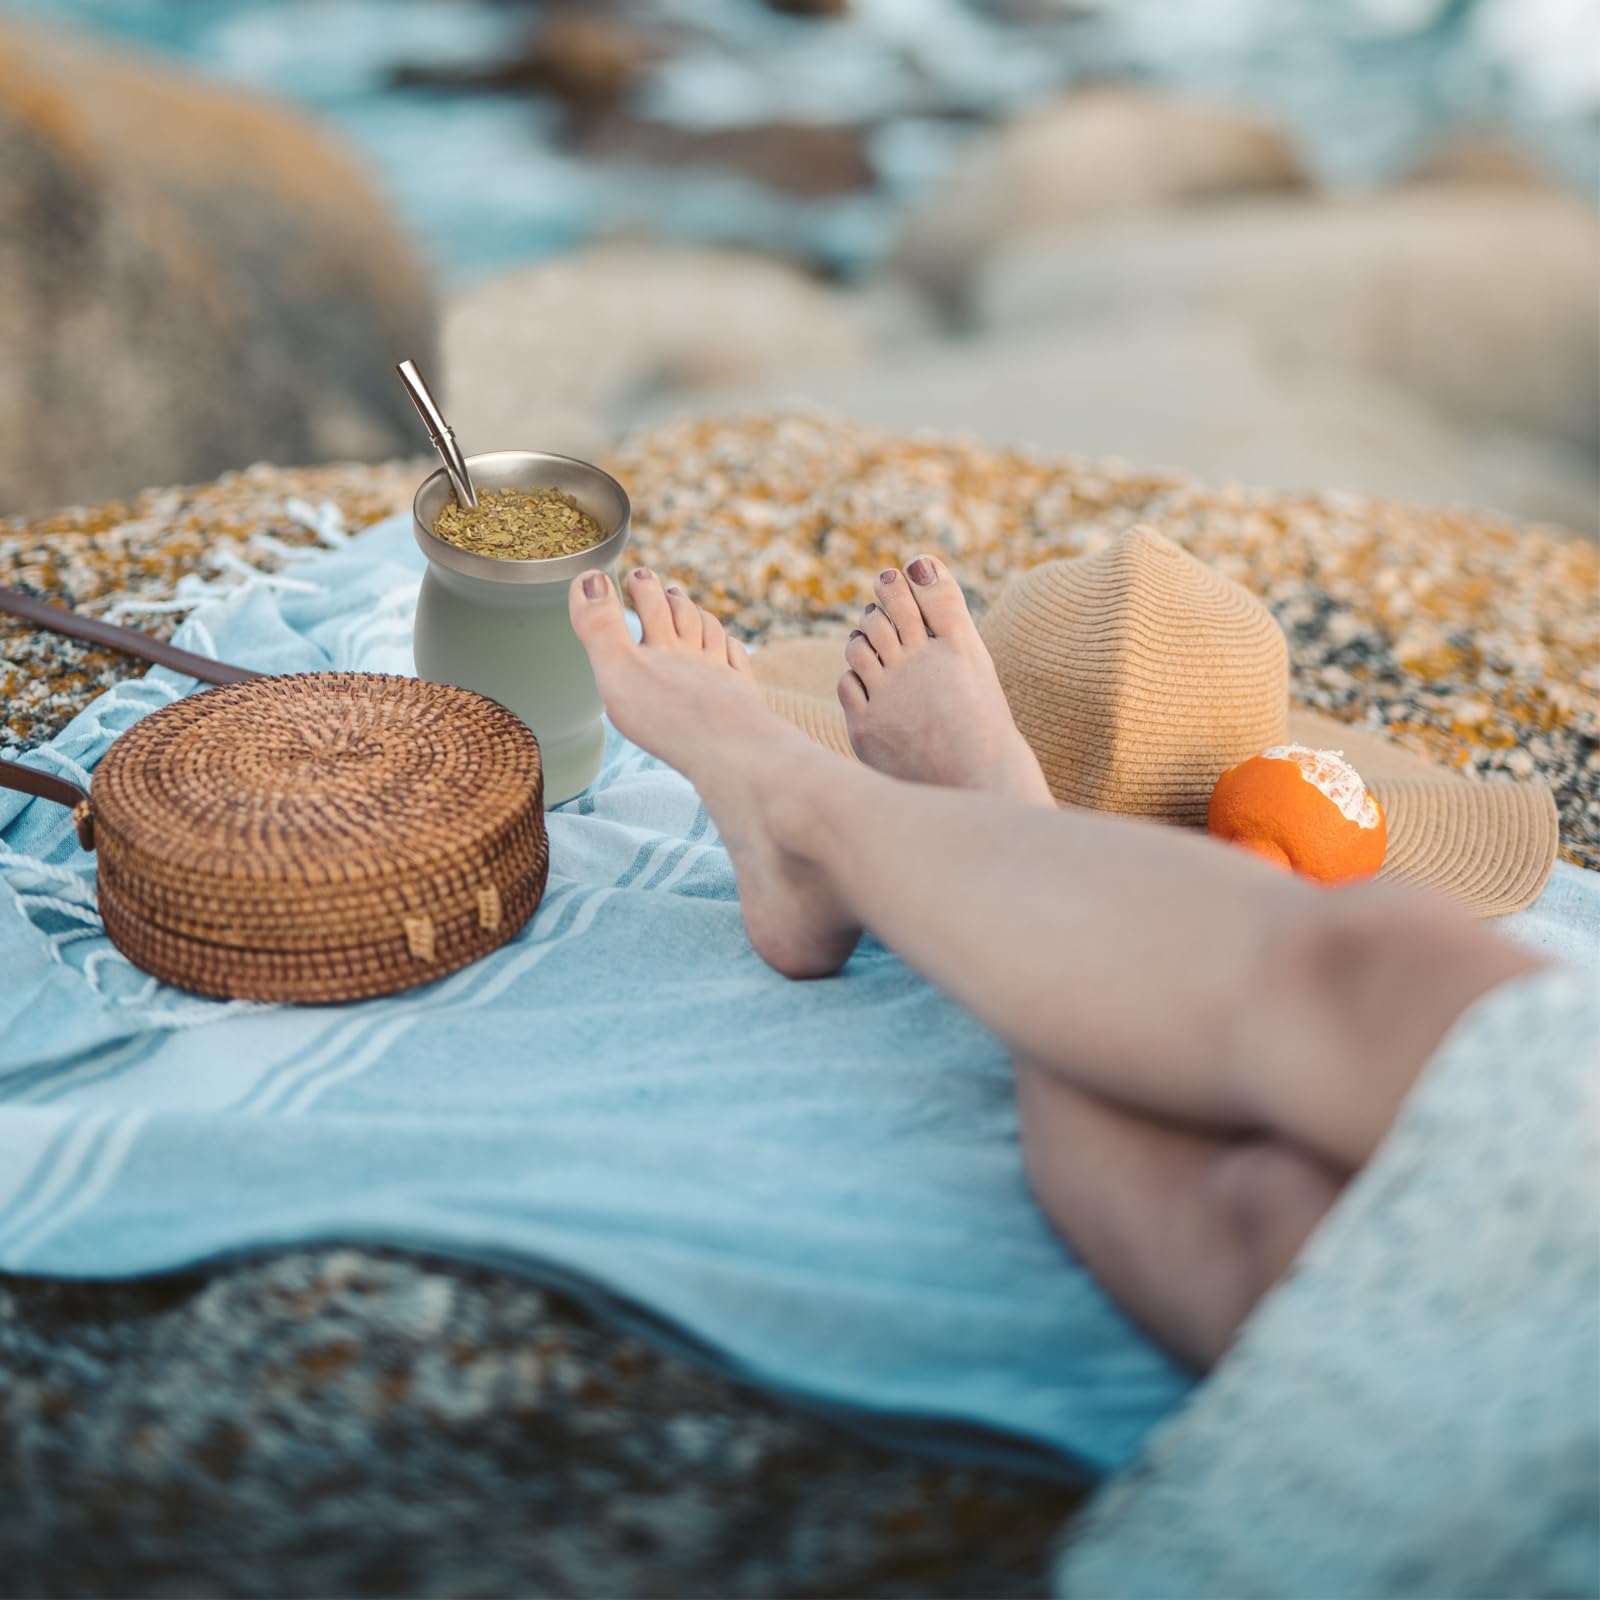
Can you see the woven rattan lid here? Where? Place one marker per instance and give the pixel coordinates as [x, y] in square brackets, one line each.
[321, 836]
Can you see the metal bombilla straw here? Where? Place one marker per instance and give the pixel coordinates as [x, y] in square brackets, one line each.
[440, 431]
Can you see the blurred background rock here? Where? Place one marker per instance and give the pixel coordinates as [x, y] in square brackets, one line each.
[1298, 243]
[190, 279]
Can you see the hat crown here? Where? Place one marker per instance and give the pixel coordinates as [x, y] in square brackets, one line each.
[1139, 675]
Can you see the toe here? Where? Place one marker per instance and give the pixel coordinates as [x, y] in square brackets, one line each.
[687, 617]
[852, 695]
[938, 596]
[650, 601]
[880, 633]
[597, 617]
[894, 600]
[862, 659]
[713, 637]
[739, 658]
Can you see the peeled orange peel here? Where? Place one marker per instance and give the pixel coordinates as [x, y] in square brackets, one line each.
[1304, 810]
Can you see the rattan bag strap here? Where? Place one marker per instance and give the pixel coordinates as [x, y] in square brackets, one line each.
[58, 619]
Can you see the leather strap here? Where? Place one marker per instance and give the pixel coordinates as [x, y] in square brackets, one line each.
[29, 780]
[58, 619]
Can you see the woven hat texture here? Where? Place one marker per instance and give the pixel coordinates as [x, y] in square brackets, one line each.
[1138, 675]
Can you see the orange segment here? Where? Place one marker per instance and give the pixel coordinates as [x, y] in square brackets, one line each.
[1285, 806]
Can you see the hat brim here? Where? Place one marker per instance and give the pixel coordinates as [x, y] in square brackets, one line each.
[1488, 846]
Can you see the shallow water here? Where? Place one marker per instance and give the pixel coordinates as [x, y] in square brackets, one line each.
[1366, 84]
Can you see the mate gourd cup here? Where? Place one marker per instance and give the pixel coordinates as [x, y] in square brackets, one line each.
[501, 627]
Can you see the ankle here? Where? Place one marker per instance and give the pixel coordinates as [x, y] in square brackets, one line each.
[812, 805]
[793, 783]
[1367, 980]
[1021, 777]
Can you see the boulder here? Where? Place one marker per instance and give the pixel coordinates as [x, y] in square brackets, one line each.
[559, 355]
[1479, 302]
[810, 8]
[1482, 160]
[1097, 153]
[190, 279]
[1202, 395]
[589, 63]
[804, 160]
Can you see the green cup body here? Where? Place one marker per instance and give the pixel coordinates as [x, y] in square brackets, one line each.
[501, 628]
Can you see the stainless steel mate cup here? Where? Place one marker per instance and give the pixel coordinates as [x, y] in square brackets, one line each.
[501, 627]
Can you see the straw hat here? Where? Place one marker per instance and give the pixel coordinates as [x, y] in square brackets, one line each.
[1138, 675]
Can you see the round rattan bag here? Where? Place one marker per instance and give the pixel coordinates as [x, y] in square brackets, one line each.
[317, 837]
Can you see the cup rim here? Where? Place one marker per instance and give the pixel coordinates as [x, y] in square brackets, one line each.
[541, 569]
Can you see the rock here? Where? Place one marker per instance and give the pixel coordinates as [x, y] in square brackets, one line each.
[556, 356]
[1478, 302]
[810, 8]
[893, 316]
[1190, 393]
[164, 1431]
[115, 560]
[590, 63]
[1483, 161]
[809, 160]
[190, 279]
[1097, 153]
[1396, 616]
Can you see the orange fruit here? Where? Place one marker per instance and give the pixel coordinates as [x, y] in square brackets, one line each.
[1302, 809]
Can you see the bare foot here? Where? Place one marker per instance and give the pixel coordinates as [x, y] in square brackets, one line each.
[687, 695]
[922, 700]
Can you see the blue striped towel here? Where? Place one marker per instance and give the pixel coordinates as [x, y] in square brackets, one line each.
[815, 1185]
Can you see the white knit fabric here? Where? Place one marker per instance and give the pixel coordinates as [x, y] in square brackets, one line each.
[1416, 1409]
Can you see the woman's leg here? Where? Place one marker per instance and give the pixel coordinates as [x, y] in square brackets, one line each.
[1185, 1230]
[1153, 970]
[1148, 966]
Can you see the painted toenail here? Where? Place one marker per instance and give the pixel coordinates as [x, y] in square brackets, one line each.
[888, 577]
[872, 606]
[921, 571]
[595, 585]
[856, 633]
[672, 588]
[643, 572]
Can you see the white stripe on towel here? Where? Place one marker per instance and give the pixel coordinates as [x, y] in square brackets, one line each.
[279, 1084]
[18, 1164]
[69, 1158]
[112, 1156]
[537, 950]
[295, 1092]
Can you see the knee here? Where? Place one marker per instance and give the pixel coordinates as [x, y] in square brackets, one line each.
[1354, 962]
[1358, 986]
[1340, 944]
[1317, 964]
